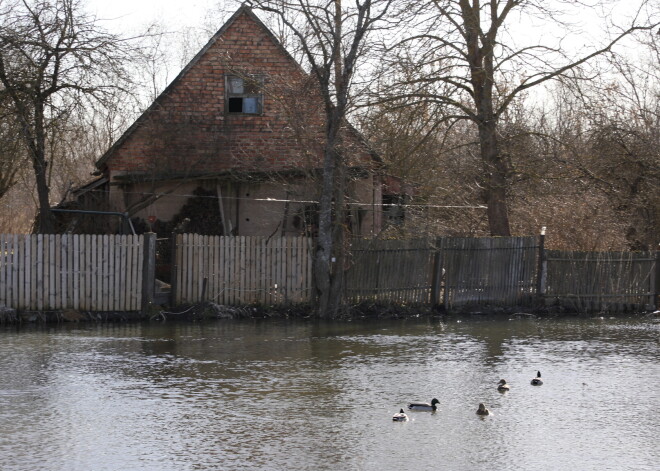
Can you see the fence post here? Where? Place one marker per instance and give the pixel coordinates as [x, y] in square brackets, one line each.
[148, 270]
[542, 269]
[436, 279]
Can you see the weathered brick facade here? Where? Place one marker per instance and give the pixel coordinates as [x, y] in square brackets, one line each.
[188, 139]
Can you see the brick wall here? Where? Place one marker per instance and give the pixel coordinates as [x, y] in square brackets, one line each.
[188, 132]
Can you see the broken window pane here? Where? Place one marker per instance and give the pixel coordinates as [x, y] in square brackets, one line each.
[235, 105]
[243, 95]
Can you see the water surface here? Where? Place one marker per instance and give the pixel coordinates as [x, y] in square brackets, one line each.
[291, 395]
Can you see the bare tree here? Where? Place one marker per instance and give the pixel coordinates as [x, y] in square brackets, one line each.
[332, 36]
[12, 153]
[54, 60]
[463, 57]
[621, 115]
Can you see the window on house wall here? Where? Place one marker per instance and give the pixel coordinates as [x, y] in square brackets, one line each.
[243, 95]
[394, 209]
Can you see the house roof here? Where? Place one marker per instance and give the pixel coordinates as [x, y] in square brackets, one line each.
[100, 163]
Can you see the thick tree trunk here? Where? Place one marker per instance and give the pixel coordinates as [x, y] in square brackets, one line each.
[329, 257]
[322, 258]
[40, 165]
[324, 246]
[338, 238]
[45, 221]
[480, 47]
[495, 173]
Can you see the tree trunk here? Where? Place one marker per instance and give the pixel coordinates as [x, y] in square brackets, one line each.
[40, 165]
[338, 238]
[329, 257]
[324, 244]
[45, 221]
[495, 173]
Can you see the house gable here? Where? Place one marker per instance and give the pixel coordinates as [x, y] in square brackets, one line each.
[188, 131]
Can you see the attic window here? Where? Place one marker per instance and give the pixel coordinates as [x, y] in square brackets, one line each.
[244, 95]
[394, 209]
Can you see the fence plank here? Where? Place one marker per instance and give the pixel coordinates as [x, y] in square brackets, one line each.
[56, 278]
[14, 269]
[24, 257]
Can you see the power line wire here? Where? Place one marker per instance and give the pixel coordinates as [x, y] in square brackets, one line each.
[279, 200]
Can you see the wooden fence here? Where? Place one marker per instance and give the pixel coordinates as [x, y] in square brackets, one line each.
[498, 271]
[395, 271]
[116, 273]
[242, 270]
[82, 272]
[601, 281]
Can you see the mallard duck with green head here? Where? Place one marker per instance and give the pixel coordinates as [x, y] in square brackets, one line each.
[424, 406]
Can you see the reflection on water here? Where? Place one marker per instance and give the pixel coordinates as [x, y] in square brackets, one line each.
[315, 395]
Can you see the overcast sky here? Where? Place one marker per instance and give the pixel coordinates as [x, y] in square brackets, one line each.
[175, 14]
[135, 13]
[584, 35]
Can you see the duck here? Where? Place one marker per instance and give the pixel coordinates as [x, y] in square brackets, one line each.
[537, 381]
[424, 406]
[482, 409]
[502, 386]
[400, 416]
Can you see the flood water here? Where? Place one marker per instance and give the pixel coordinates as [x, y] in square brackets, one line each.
[293, 395]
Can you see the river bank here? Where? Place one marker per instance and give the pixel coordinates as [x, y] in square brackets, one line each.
[208, 311]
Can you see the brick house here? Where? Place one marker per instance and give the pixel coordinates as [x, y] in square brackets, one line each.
[234, 142]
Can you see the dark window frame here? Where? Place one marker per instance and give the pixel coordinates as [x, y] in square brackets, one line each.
[244, 94]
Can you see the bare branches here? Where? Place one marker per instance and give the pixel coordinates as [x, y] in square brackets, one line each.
[545, 76]
[462, 55]
[55, 59]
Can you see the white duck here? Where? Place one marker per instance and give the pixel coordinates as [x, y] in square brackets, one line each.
[400, 416]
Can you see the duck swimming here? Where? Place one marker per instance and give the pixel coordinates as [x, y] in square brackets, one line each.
[537, 381]
[482, 409]
[400, 416]
[424, 406]
[502, 386]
